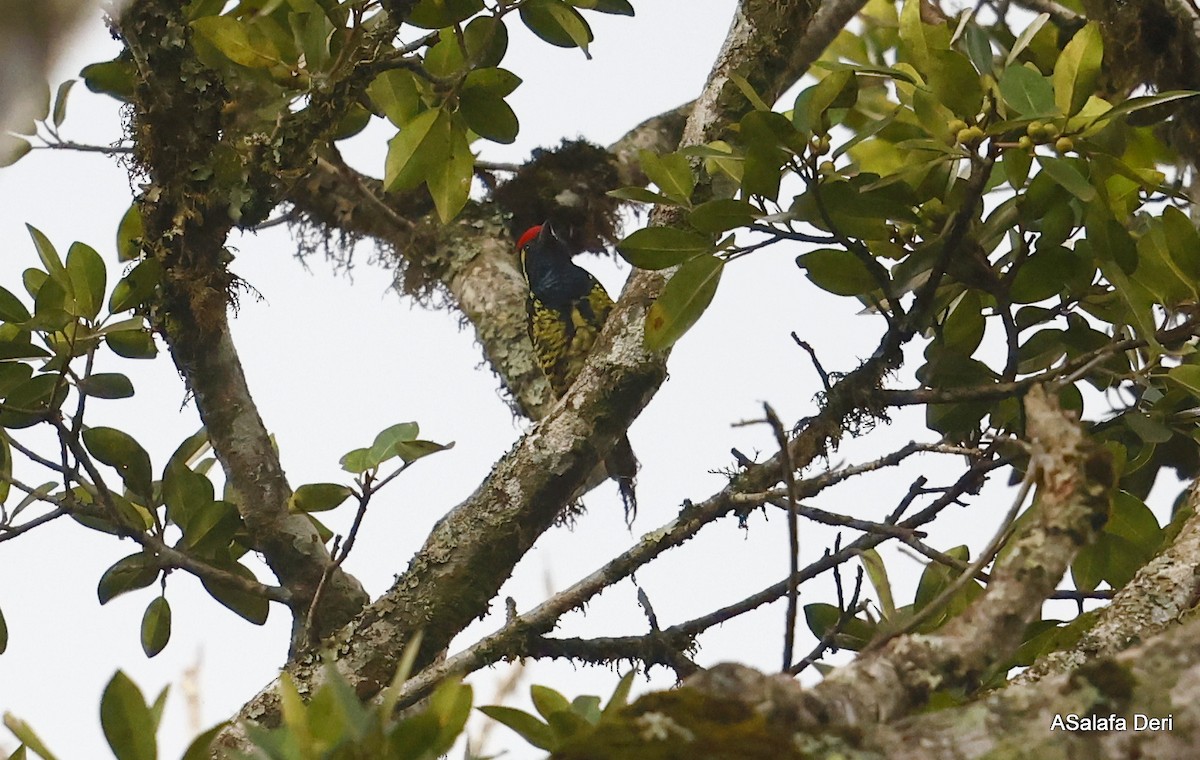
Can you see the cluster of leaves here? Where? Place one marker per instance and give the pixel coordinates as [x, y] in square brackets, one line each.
[1079, 244]
[441, 93]
[332, 723]
[562, 720]
[47, 355]
[130, 726]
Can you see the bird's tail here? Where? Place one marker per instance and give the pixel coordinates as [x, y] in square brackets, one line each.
[622, 467]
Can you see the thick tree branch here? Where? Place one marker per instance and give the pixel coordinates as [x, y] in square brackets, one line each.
[1158, 679]
[1162, 591]
[178, 125]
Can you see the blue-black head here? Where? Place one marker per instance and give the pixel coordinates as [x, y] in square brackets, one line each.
[553, 277]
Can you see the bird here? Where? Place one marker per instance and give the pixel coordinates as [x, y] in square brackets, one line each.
[566, 308]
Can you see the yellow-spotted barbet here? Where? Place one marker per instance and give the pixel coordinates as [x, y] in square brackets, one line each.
[567, 307]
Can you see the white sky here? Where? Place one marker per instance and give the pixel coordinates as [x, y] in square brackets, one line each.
[332, 360]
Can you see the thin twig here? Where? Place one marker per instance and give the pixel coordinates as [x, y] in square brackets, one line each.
[789, 479]
[848, 613]
[816, 362]
[967, 576]
[10, 532]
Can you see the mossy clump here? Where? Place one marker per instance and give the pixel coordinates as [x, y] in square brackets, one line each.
[568, 186]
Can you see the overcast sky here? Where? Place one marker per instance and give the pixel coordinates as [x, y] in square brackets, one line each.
[333, 359]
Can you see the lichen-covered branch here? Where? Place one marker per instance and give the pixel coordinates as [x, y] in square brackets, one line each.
[1161, 592]
[179, 128]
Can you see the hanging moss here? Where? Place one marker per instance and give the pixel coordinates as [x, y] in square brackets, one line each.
[566, 185]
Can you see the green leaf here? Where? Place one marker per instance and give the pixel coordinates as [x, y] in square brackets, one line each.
[11, 308]
[12, 149]
[486, 39]
[252, 607]
[1027, 92]
[30, 401]
[241, 43]
[408, 659]
[912, 35]
[117, 78]
[438, 14]
[823, 618]
[358, 460]
[109, 385]
[810, 111]
[498, 82]
[662, 247]
[488, 115]
[445, 58]
[1016, 162]
[1048, 272]
[354, 121]
[527, 726]
[415, 149]
[395, 93]
[3, 633]
[1066, 173]
[129, 235]
[955, 82]
[557, 23]
[156, 626]
[201, 746]
[38, 494]
[124, 454]
[88, 278]
[127, 721]
[547, 701]
[13, 350]
[411, 451]
[671, 172]
[722, 214]
[743, 84]
[213, 526]
[1182, 242]
[1025, 37]
[132, 344]
[187, 494]
[935, 579]
[1186, 376]
[49, 257]
[1134, 105]
[877, 573]
[451, 703]
[127, 574]
[318, 497]
[450, 180]
[134, 288]
[620, 695]
[686, 295]
[25, 734]
[311, 35]
[837, 271]
[1132, 520]
[60, 102]
[383, 447]
[1078, 68]
[616, 7]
